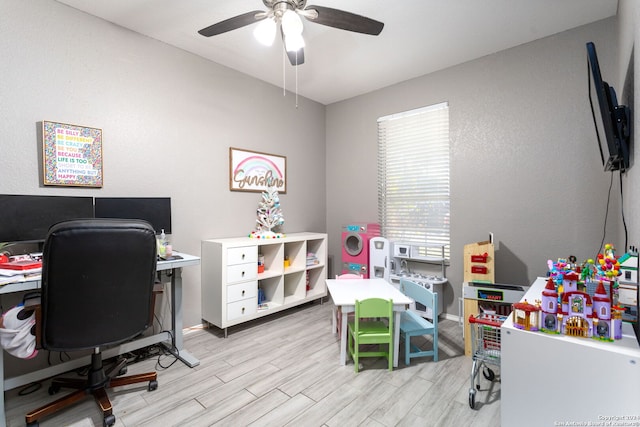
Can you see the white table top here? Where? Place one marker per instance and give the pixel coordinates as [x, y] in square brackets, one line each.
[345, 292]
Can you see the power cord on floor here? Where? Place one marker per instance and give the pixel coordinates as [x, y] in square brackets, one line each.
[132, 357]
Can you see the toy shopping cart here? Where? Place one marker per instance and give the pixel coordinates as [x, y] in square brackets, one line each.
[485, 342]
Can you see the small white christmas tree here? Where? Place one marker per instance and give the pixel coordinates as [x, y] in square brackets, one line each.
[269, 215]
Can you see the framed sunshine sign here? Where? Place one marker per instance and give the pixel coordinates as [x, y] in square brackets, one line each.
[254, 171]
[71, 155]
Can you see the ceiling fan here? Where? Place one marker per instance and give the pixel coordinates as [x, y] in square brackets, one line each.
[286, 14]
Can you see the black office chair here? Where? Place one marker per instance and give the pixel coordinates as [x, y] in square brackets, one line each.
[97, 284]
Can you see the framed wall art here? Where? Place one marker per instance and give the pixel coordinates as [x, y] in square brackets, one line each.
[71, 155]
[254, 171]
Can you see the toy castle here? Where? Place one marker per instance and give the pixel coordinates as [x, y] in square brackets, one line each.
[565, 310]
[590, 312]
[576, 313]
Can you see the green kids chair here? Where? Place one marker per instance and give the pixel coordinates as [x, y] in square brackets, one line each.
[363, 330]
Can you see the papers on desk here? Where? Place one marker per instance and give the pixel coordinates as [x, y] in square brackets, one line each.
[17, 276]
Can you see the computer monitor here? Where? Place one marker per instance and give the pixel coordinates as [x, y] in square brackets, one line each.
[155, 210]
[27, 218]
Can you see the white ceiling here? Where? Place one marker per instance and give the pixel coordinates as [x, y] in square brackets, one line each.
[419, 36]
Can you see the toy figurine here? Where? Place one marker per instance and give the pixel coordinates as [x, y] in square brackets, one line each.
[588, 270]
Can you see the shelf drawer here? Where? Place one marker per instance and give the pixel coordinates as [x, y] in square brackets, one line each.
[242, 291]
[242, 308]
[242, 272]
[241, 255]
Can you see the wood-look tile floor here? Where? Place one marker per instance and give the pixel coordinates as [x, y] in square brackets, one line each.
[283, 370]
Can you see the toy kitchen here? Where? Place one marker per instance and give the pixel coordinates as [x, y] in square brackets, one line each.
[424, 264]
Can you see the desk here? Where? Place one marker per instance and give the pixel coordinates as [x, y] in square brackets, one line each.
[172, 340]
[345, 292]
[548, 379]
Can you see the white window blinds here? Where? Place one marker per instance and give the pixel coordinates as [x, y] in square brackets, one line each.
[413, 176]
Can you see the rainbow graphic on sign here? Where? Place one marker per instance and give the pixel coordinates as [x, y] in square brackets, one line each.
[257, 172]
[258, 165]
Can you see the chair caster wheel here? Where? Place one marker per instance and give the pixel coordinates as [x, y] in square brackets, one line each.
[53, 389]
[472, 398]
[122, 371]
[153, 385]
[109, 420]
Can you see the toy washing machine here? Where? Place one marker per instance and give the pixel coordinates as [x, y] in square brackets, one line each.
[355, 247]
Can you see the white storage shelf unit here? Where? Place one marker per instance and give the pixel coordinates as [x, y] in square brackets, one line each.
[230, 278]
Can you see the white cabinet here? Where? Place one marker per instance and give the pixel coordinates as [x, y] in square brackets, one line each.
[295, 269]
[551, 379]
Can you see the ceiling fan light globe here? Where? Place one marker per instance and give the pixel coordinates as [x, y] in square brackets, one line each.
[265, 32]
[293, 42]
[291, 23]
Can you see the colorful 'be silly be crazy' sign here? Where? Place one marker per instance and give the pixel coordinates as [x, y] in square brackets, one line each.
[72, 155]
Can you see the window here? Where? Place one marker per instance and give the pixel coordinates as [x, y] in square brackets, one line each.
[413, 177]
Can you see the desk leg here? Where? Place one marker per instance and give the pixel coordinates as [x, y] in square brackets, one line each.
[176, 321]
[396, 338]
[343, 339]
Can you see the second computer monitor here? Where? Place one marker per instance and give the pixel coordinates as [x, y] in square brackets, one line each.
[155, 210]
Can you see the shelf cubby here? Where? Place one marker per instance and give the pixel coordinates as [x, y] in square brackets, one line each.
[294, 286]
[273, 259]
[316, 281]
[295, 253]
[273, 290]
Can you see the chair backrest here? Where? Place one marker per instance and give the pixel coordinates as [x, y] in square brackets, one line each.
[349, 276]
[420, 294]
[374, 308]
[97, 282]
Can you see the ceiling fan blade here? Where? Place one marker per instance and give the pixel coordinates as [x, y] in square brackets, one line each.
[345, 20]
[233, 23]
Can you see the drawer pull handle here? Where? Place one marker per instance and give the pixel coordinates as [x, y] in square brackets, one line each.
[242, 293]
[243, 274]
[243, 309]
[242, 256]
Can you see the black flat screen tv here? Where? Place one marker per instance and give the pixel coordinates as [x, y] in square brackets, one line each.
[611, 120]
[27, 218]
[155, 210]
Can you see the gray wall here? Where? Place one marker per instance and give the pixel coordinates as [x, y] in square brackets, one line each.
[168, 119]
[524, 162]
